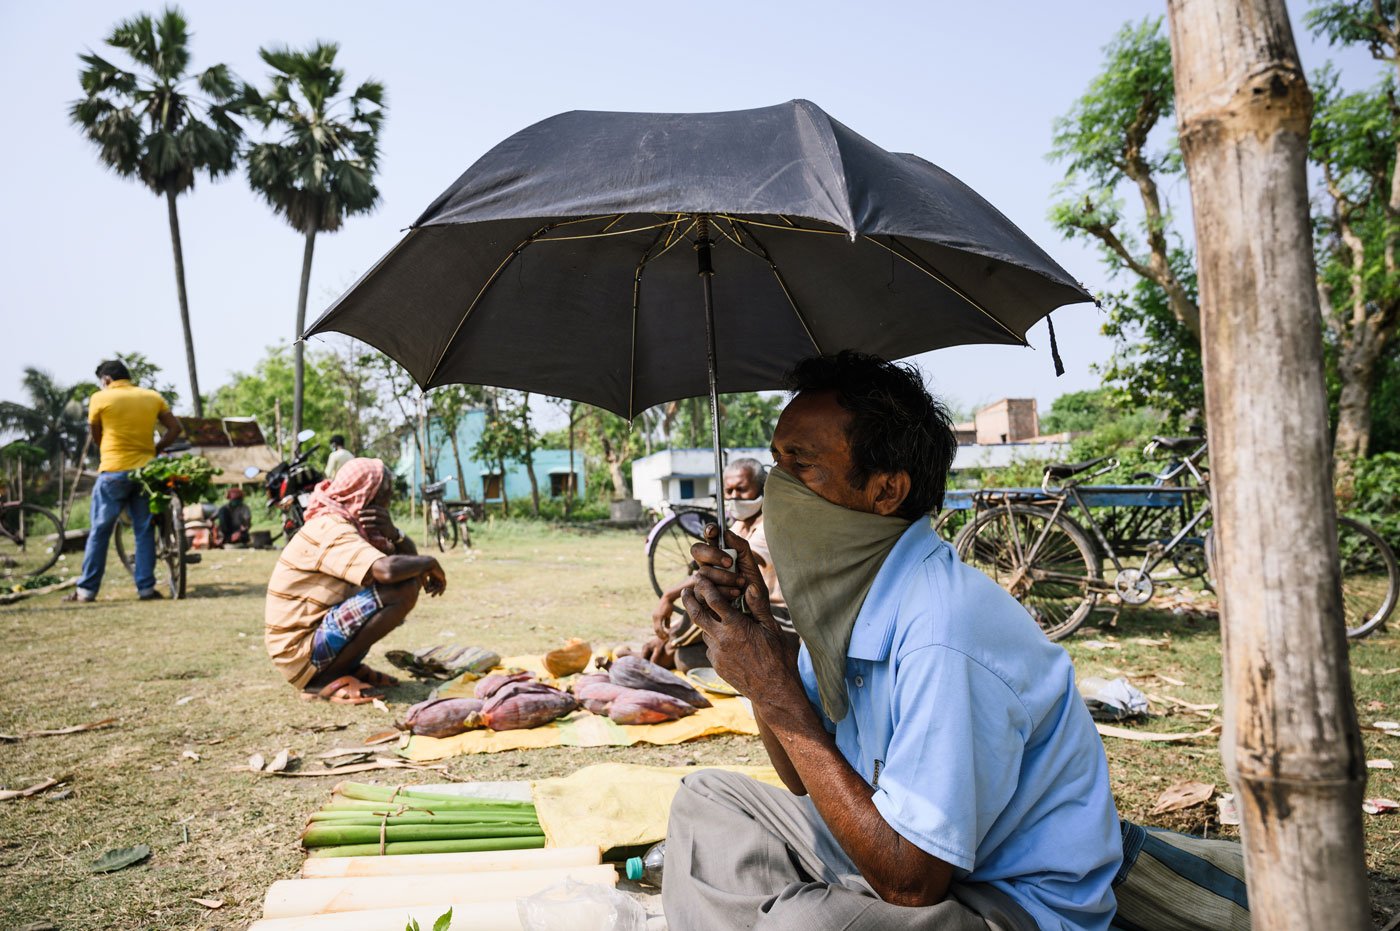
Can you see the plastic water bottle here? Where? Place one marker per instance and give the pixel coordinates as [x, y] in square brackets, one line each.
[647, 868]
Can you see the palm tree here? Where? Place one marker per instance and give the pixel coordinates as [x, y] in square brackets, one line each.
[322, 169]
[146, 124]
[52, 421]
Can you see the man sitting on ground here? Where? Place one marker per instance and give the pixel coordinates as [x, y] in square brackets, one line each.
[122, 421]
[342, 584]
[234, 519]
[684, 648]
[944, 772]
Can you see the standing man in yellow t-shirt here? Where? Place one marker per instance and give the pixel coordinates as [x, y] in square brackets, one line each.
[122, 419]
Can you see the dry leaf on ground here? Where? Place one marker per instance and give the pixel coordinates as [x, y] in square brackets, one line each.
[1183, 795]
[190, 755]
[280, 762]
[1379, 764]
[210, 904]
[1379, 806]
[382, 737]
[256, 763]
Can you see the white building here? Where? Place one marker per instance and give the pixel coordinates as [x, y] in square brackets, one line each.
[683, 474]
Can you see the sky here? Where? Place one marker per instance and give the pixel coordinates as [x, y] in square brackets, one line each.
[85, 257]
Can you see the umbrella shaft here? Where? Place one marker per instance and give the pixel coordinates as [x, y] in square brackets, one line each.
[706, 271]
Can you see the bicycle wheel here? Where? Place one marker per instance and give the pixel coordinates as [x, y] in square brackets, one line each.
[119, 530]
[444, 529]
[171, 546]
[1049, 565]
[668, 548]
[31, 540]
[951, 522]
[1370, 577]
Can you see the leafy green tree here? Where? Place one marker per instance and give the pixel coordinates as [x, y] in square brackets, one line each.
[450, 404]
[748, 419]
[321, 169]
[1079, 411]
[510, 436]
[256, 394]
[147, 374]
[161, 124]
[1117, 142]
[52, 420]
[1354, 141]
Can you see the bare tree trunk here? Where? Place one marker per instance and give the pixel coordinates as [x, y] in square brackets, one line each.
[505, 496]
[184, 301]
[530, 455]
[1354, 410]
[457, 461]
[1291, 745]
[569, 486]
[298, 347]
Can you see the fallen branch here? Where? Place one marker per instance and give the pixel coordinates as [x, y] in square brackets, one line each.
[1108, 730]
[8, 794]
[58, 732]
[12, 597]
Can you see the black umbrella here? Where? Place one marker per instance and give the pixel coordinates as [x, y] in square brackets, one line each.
[564, 261]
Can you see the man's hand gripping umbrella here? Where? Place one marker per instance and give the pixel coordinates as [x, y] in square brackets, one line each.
[728, 600]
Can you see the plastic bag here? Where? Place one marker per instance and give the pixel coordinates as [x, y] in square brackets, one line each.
[575, 906]
[1112, 701]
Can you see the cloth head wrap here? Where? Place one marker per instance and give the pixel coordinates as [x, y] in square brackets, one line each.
[353, 489]
[826, 557]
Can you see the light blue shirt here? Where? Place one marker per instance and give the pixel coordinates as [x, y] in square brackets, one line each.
[966, 722]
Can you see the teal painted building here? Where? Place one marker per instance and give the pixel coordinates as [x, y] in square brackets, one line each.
[484, 481]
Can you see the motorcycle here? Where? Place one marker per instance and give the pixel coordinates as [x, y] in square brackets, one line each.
[289, 484]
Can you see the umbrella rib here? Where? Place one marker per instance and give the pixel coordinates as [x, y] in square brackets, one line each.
[520, 247]
[636, 302]
[790, 228]
[908, 255]
[773, 266]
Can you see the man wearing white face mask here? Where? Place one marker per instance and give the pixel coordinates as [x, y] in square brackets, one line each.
[683, 646]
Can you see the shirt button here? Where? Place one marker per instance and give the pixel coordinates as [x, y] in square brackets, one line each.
[860, 682]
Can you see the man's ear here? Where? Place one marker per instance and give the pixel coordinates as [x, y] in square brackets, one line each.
[890, 488]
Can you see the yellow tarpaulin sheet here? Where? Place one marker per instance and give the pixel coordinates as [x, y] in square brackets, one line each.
[616, 804]
[582, 728]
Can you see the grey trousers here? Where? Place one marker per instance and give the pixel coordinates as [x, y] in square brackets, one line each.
[741, 854]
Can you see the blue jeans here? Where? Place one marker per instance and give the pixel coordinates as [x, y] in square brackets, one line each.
[113, 492]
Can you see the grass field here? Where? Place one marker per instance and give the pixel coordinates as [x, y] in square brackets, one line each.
[193, 676]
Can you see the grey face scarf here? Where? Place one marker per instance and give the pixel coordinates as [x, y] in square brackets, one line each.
[826, 557]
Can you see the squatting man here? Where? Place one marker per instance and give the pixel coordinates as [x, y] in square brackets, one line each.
[943, 772]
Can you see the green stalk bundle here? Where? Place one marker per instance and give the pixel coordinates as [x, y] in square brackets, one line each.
[360, 790]
[462, 845]
[424, 817]
[333, 834]
[368, 820]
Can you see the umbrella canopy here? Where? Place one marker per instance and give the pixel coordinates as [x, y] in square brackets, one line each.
[564, 262]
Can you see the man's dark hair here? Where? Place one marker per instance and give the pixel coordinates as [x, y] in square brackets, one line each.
[114, 369]
[896, 425]
[337, 439]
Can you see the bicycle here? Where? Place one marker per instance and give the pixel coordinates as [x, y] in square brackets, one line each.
[172, 546]
[448, 522]
[31, 540]
[1030, 542]
[668, 544]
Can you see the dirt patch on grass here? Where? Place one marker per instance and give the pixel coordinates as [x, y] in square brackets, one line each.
[193, 676]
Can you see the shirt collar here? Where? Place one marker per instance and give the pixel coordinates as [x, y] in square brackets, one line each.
[874, 628]
[120, 383]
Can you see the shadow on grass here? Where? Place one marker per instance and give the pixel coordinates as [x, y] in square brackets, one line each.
[224, 589]
[1154, 623]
